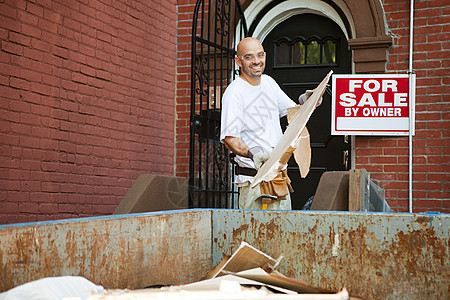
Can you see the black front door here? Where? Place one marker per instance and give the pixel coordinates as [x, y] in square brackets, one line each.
[300, 52]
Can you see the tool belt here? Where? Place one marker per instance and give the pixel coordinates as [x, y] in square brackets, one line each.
[279, 187]
[245, 171]
[271, 191]
[238, 170]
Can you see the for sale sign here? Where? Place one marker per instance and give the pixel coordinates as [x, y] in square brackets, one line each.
[372, 104]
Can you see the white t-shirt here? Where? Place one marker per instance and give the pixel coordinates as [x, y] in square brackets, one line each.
[252, 113]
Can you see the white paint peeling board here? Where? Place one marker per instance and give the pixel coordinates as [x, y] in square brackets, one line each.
[246, 257]
[274, 164]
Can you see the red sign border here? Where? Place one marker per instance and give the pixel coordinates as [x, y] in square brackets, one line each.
[370, 132]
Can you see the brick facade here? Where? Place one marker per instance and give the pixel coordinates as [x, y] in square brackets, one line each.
[385, 158]
[88, 92]
[185, 13]
[87, 103]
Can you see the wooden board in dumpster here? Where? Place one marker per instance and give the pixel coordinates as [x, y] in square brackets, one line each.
[374, 255]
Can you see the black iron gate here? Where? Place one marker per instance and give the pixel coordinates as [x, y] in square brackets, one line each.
[217, 26]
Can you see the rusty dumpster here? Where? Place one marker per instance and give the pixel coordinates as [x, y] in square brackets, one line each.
[373, 255]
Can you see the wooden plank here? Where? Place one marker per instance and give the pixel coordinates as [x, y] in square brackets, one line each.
[283, 150]
[292, 284]
[358, 190]
[216, 283]
[354, 202]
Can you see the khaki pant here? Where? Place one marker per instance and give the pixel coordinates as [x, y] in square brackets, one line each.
[247, 197]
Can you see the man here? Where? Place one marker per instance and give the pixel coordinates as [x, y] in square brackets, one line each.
[252, 106]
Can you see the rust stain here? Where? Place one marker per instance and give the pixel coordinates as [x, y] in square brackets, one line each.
[422, 220]
[374, 259]
[240, 231]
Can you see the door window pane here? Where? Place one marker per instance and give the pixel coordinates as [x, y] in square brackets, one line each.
[298, 54]
[313, 53]
[329, 52]
[283, 54]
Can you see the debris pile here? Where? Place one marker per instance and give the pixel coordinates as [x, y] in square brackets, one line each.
[247, 274]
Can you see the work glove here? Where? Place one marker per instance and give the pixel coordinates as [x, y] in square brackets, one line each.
[258, 156]
[304, 97]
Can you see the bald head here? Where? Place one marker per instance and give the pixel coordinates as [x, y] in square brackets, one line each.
[251, 60]
[247, 45]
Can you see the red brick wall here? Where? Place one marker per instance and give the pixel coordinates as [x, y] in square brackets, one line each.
[87, 103]
[387, 158]
[185, 13]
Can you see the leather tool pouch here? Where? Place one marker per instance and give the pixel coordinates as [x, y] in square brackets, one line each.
[280, 186]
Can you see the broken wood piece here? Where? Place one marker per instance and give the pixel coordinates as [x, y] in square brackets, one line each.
[291, 112]
[244, 258]
[292, 284]
[217, 268]
[302, 150]
[302, 153]
[364, 194]
[356, 189]
[288, 141]
[215, 283]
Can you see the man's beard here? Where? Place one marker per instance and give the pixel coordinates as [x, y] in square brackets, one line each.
[254, 74]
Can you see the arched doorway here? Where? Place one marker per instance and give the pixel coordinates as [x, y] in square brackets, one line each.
[361, 21]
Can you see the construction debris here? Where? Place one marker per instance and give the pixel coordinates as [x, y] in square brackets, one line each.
[244, 258]
[351, 190]
[290, 140]
[54, 288]
[247, 274]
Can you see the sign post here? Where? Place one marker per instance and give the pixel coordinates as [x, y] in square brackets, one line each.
[373, 105]
[379, 105]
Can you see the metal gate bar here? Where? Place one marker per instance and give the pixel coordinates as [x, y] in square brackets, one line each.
[217, 24]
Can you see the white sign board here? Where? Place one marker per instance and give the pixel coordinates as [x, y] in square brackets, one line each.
[372, 104]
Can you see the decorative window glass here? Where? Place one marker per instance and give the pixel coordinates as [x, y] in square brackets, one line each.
[329, 52]
[313, 53]
[283, 54]
[301, 52]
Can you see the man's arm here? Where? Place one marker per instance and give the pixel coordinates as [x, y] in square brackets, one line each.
[236, 145]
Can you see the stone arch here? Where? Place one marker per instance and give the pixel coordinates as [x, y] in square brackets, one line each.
[366, 26]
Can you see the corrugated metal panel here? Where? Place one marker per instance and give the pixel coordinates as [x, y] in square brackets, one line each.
[378, 256]
[128, 251]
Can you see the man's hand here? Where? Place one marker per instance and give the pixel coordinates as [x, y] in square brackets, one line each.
[259, 159]
[304, 97]
[258, 156]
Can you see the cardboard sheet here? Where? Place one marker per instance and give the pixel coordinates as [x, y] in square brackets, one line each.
[283, 150]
